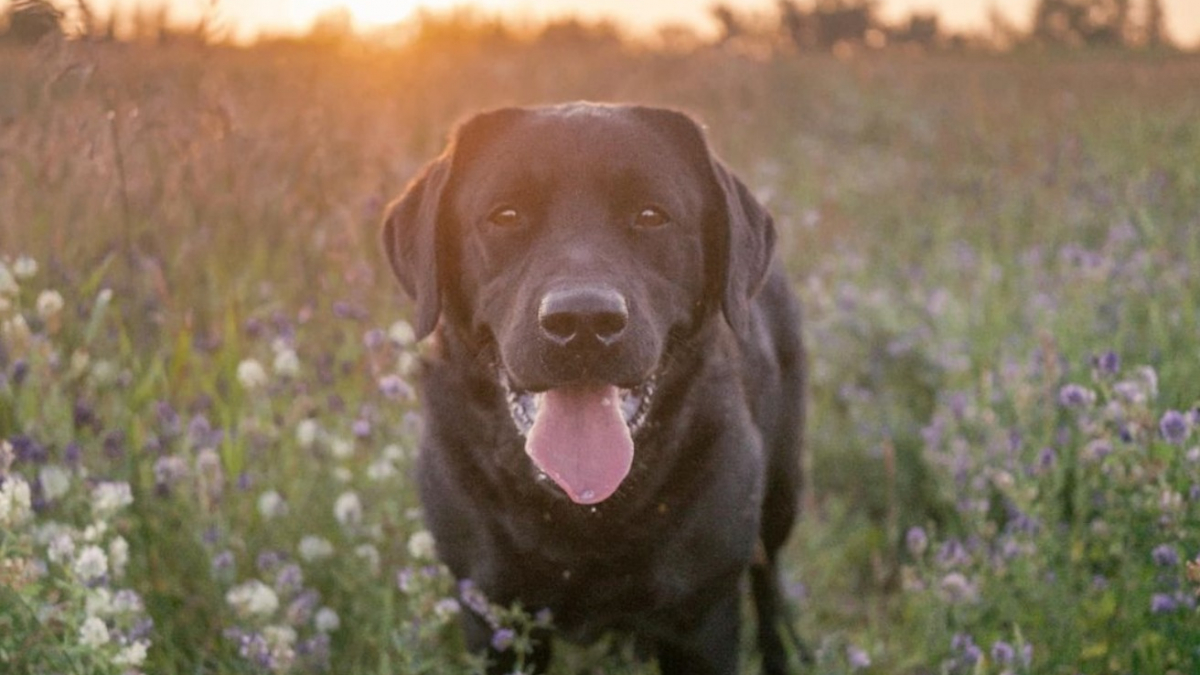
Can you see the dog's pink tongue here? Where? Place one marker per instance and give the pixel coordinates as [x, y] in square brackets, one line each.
[580, 440]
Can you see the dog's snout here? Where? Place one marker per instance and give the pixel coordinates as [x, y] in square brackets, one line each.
[580, 316]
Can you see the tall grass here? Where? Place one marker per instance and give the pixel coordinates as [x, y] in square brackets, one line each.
[971, 235]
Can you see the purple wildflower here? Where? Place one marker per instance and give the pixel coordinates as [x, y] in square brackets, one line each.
[404, 580]
[84, 416]
[1107, 363]
[169, 470]
[222, 561]
[27, 449]
[1097, 450]
[289, 580]
[374, 338]
[1162, 603]
[1003, 653]
[1165, 556]
[73, 453]
[169, 423]
[20, 370]
[315, 651]
[503, 638]
[965, 649]
[916, 541]
[857, 658]
[475, 599]
[114, 444]
[347, 310]
[142, 629]
[301, 610]
[1174, 427]
[202, 434]
[268, 561]
[1076, 396]
[394, 387]
[361, 428]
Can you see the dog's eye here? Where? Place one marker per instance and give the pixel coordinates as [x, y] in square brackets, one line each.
[650, 218]
[505, 216]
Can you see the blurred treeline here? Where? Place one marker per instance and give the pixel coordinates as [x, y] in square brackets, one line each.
[837, 26]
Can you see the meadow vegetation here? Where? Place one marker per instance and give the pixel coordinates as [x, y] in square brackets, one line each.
[206, 402]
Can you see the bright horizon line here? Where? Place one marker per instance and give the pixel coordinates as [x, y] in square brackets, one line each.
[251, 19]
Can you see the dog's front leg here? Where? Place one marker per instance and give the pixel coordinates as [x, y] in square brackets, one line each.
[710, 645]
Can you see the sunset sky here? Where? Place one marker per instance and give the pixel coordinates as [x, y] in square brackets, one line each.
[252, 16]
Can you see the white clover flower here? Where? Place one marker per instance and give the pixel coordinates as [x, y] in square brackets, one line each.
[104, 372]
[326, 620]
[127, 602]
[402, 333]
[957, 589]
[286, 363]
[108, 498]
[61, 548]
[313, 548]
[95, 532]
[280, 640]
[16, 503]
[370, 555]
[421, 545]
[393, 452]
[446, 608]
[381, 469]
[251, 374]
[1149, 379]
[8, 283]
[80, 360]
[24, 267]
[406, 364]
[133, 655]
[306, 432]
[49, 304]
[103, 298]
[93, 633]
[99, 602]
[271, 505]
[340, 448]
[56, 481]
[277, 635]
[16, 331]
[91, 564]
[210, 475]
[118, 555]
[252, 598]
[348, 509]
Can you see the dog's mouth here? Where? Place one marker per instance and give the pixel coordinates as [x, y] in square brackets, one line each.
[580, 435]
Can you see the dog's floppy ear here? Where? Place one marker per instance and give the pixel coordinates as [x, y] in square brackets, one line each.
[749, 243]
[412, 235]
[741, 237]
[410, 240]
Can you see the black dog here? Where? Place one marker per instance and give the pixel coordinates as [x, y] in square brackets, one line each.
[615, 404]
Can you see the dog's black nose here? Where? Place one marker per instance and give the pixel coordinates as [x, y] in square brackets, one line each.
[581, 316]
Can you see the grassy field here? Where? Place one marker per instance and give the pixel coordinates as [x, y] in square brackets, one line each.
[205, 392]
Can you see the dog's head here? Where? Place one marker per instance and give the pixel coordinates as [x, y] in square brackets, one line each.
[578, 242]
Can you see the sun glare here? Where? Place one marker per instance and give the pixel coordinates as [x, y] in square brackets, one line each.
[366, 13]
